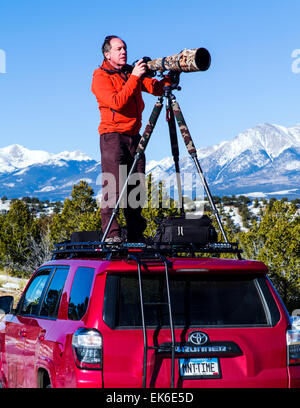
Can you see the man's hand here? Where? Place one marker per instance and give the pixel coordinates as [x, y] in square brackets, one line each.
[139, 69]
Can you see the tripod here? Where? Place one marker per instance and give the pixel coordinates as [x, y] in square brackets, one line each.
[173, 111]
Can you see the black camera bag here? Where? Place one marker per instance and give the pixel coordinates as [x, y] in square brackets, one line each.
[186, 230]
[86, 236]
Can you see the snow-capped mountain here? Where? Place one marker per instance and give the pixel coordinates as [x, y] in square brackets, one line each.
[263, 160]
[16, 157]
[37, 173]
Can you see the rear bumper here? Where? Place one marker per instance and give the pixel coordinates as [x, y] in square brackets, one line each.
[89, 379]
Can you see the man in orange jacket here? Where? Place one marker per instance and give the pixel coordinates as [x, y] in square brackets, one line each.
[118, 89]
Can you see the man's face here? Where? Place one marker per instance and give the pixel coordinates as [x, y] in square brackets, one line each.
[117, 56]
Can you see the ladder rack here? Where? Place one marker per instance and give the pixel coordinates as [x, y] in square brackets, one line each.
[104, 250]
[161, 260]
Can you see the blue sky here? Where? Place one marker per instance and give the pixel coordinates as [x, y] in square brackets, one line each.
[52, 48]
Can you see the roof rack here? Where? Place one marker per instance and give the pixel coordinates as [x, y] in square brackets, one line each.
[107, 250]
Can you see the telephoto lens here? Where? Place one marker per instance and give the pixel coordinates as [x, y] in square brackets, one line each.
[194, 60]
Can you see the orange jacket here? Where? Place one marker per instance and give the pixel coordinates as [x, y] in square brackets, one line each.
[119, 95]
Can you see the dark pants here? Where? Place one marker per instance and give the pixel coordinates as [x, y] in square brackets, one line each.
[119, 150]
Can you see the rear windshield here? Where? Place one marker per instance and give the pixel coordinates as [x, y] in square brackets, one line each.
[213, 300]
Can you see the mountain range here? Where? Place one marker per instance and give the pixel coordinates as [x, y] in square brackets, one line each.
[263, 161]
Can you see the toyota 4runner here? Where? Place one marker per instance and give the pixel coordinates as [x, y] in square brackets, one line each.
[117, 316]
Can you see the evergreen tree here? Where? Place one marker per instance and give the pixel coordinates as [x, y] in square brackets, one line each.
[276, 242]
[79, 213]
[18, 226]
[255, 203]
[2, 244]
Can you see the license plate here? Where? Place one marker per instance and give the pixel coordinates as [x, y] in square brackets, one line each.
[199, 368]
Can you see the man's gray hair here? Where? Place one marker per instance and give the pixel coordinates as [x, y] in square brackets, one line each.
[106, 46]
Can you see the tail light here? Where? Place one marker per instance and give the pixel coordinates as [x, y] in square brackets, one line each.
[87, 349]
[293, 342]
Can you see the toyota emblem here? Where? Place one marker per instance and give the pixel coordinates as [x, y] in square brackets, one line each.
[198, 338]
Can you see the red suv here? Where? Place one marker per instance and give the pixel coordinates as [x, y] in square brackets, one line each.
[132, 316]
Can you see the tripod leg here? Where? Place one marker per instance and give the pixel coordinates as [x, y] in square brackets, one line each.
[192, 151]
[150, 126]
[175, 150]
[140, 150]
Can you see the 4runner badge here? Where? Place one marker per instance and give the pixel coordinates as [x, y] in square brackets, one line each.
[198, 338]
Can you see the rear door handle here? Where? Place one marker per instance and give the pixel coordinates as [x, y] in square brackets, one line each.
[42, 335]
[22, 333]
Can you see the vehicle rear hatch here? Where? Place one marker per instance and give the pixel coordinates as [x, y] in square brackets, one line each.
[229, 326]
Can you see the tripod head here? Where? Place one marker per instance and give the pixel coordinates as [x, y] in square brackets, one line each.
[172, 79]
